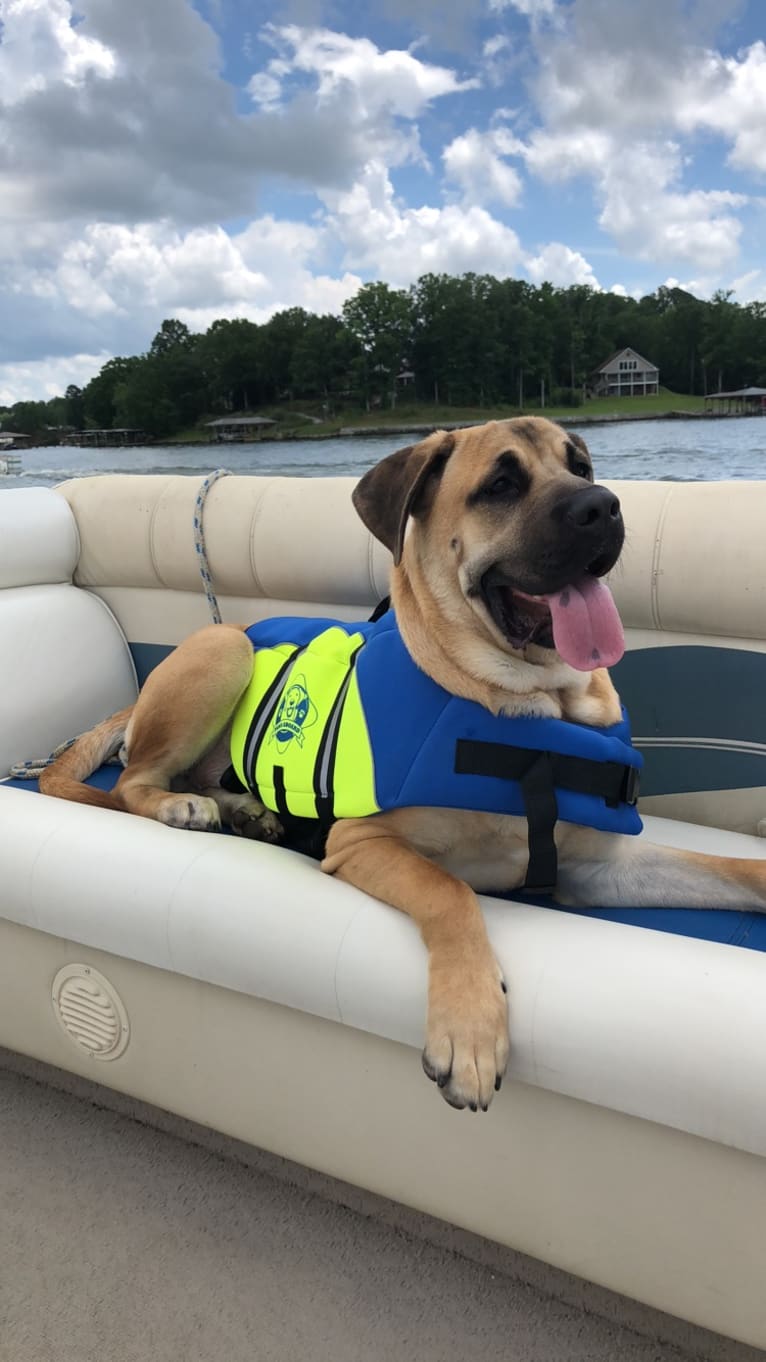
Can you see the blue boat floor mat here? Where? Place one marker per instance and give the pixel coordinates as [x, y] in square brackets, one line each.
[729, 927]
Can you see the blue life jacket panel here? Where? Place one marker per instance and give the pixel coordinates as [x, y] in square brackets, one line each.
[430, 748]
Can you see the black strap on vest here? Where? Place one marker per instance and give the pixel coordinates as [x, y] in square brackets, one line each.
[539, 773]
[381, 609]
[230, 781]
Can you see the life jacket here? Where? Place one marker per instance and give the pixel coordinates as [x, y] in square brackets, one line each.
[339, 722]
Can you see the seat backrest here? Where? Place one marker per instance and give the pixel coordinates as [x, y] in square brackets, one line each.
[691, 588]
[276, 546]
[64, 661]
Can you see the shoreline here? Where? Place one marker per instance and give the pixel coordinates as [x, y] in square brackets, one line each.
[421, 428]
[359, 432]
[427, 427]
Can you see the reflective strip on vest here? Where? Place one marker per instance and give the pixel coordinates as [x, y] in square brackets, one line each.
[299, 737]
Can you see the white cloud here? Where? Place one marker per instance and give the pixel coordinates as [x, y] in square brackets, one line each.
[734, 105]
[533, 9]
[152, 270]
[497, 62]
[475, 162]
[398, 243]
[394, 82]
[123, 113]
[44, 378]
[500, 43]
[750, 287]
[377, 94]
[615, 90]
[559, 265]
[40, 48]
[123, 146]
[642, 204]
[653, 220]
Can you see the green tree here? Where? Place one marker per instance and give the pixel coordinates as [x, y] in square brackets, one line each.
[470, 339]
[142, 401]
[74, 407]
[172, 335]
[230, 359]
[280, 336]
[321, 358]
[29, 418]
[99, 396]
[379, 319]
[719, 349]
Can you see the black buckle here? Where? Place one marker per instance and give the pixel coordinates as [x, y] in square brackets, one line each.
[631, 782]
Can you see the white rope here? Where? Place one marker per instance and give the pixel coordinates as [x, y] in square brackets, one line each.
[32, 770]
[199, 541]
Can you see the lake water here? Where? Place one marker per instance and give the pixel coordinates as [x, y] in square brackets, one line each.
[678, 450]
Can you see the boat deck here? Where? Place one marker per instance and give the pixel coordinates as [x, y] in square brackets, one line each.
[124, 1242]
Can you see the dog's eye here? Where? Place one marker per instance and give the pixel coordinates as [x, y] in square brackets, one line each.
[501, 486]
[582, 470]
[505, 483]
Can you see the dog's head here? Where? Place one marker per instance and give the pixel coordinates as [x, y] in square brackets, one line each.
[506, 519]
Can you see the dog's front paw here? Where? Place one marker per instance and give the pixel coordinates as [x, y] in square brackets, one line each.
[466, 1050]
[195, 812]
[252, 820]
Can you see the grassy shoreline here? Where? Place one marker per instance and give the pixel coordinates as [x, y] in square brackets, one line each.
[416, 418]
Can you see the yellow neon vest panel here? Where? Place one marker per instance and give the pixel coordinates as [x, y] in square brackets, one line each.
[299, 737]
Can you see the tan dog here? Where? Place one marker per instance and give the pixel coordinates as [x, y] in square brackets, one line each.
[503, 519]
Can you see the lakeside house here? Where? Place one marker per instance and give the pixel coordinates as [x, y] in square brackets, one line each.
[625, 374]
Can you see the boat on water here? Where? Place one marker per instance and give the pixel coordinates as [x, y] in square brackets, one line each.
[234, 984]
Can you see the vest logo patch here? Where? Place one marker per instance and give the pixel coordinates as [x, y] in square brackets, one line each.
[296, 712]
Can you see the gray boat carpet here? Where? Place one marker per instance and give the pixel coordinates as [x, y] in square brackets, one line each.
[123, 1243]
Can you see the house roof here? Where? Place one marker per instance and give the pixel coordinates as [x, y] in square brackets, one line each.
[742, 392]
[242, 421]
[624, 350]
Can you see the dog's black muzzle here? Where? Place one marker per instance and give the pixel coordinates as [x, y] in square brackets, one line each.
[590, 524]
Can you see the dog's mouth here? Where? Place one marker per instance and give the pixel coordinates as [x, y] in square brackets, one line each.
[580, 621]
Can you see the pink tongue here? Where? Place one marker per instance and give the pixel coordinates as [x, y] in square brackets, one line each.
[587, 630]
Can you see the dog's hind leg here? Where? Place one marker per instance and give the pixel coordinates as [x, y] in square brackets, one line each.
[183, 710]
[600, 870]
[65, 776]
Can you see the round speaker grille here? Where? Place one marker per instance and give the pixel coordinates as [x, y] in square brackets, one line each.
[91, 1012]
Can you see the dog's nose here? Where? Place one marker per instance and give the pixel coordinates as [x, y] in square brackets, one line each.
[593, 508]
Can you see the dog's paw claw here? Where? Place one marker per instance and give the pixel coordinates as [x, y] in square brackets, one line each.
[466, 1048]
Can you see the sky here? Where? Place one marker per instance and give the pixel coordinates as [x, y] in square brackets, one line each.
[227, 158]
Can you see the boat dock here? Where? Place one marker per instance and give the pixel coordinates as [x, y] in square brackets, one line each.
[123, 438]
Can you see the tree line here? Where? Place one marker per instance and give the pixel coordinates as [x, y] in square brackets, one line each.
[454, 341]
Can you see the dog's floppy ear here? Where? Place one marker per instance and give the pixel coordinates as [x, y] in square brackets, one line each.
[394, 489]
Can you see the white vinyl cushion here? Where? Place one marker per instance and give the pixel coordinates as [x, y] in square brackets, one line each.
[65, 666]
[666, 1028]
[38, 537]
[283, 538]
[689, 565]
